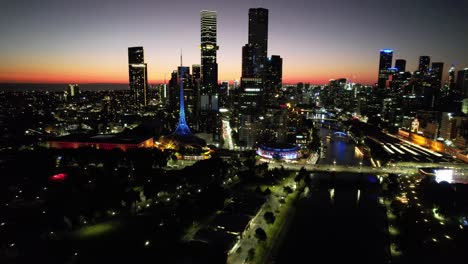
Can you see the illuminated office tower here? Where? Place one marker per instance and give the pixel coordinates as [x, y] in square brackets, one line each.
[275, 71]
[424, 62]
[385, 63]
[138, 75]
[209, 65]
[273, 78]
[251, 98]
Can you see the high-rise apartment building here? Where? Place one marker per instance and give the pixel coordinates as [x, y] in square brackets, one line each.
[209, 65]
[138, 75]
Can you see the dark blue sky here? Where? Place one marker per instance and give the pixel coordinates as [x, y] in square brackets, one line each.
[86, 41]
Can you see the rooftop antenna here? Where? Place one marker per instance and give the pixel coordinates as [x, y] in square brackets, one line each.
[181, 58]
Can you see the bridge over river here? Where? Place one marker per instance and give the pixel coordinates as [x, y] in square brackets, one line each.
[460, 169]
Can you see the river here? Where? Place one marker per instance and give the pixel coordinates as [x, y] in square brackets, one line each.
[340, 221]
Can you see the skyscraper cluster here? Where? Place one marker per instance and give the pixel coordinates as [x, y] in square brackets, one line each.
[203, 96]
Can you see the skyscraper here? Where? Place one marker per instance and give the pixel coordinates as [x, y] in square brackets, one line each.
[465, 84]
[209, 65]
[255, 52]
[138, 75]
[247, 61]
[400, 65]
[196, 72]
[255, 63]
[190, 93]
[274, 77]
[437, 71]
[385, 63]
[424, 62]
[460, 82]
[451, 77]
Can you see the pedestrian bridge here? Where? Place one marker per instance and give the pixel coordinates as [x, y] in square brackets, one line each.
[343, 168]
[397, 169]
[340, 134]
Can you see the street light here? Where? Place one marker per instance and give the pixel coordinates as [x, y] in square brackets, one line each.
[360, 164]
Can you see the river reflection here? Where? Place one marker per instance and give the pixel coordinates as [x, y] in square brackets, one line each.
[339, 150]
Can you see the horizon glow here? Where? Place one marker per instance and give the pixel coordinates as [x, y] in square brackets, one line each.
[86, 41]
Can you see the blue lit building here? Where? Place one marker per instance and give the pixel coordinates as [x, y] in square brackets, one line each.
[385, 63]
[286, 152]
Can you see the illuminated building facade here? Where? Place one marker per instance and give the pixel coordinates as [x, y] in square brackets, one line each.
[287, 152]
[73, 90]
[209, 65]
[274, 77]
[424, 62]
[138, 75]
[251, 99]
[451, 79]
[385, 63]
[254, 54]
[105, 142]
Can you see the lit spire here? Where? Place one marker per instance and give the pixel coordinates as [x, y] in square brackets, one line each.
[182, 127]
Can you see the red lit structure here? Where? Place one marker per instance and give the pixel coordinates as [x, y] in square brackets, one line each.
[58, 177]
[106, 142]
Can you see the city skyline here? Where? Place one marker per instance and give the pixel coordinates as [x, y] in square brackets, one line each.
[87, 42]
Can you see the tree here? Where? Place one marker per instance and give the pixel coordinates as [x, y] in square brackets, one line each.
[251, 253]
[260, 234]
[269, 217]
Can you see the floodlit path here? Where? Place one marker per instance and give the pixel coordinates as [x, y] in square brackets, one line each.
[240, 251]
